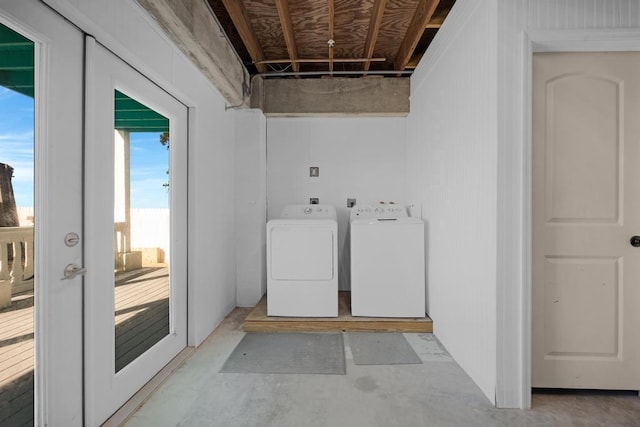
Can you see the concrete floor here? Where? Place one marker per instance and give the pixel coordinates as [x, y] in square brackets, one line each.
[436, 393]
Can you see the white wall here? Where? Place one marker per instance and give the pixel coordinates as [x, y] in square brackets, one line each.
[362, 158]
[126, 29]
[578, 14]
[452, 167]
[541, 24]
[251, 207]
[150, 229]
[468, 147]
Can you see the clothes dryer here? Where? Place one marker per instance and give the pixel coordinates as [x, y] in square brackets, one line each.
[387, 262]
[302, 262]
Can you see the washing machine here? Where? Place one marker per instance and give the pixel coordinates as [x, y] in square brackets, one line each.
[387, 262]
[302, 262]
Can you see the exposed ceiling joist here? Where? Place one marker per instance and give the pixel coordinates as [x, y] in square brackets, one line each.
[374, 28]
[439, 15]
[287, 30]
[241, 21]
[420, 19]
[332, 16]
[321, 60]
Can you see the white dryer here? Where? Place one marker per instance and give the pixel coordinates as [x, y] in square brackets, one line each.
[302, 262]
[387, 262]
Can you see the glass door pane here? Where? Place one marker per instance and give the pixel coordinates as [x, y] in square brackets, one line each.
[16, 228]
[141, 228]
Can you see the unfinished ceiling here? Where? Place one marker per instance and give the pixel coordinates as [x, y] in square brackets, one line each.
[315, 38]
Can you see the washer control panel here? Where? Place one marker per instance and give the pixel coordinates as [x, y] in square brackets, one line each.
[379, 211]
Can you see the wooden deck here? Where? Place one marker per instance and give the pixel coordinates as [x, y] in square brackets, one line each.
[16, 361]
[142, 313]
[142, 319]
[258, 321]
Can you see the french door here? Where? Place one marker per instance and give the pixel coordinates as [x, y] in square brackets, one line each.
[134, 177]
[110, 295]
[57, 97]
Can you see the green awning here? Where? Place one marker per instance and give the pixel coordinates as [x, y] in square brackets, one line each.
[16, 62]
[132, 116]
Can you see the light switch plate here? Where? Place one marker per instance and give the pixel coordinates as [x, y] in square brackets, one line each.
[314, 171]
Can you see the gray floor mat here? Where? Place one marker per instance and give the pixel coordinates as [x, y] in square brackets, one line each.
[288, 353]
[371, 348]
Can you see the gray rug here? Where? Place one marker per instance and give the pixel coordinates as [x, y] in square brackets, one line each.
[370, 348]
[288, 353]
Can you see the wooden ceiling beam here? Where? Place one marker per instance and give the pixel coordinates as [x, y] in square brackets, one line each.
[332, 15]
[321, 60]
[420, 19]
[374, 30]
[287, 30]
[240, 19]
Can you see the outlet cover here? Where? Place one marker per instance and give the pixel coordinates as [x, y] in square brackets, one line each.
[314, 171]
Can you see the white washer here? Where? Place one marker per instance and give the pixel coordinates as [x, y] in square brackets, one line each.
[302, 262]
[387, 262]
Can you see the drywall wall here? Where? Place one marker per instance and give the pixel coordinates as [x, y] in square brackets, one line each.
[524, 25]
[451, 163]
[126, 29]
[251, 206]
[467, 146]
[361, 158]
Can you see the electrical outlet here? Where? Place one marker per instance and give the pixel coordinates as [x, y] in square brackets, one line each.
[314, 171]
[351, 203]
[314, 201]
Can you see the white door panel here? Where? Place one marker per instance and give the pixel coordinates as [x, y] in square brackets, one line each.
[299, 253]
[111, 83]
[586, 206]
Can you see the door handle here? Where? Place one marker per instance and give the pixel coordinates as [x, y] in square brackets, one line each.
[635, 241]
[71, 271]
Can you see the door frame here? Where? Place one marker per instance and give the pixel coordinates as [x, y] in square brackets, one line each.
[517, 305]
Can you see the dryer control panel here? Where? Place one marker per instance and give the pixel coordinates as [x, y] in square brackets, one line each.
[379, 211]
[309, 212]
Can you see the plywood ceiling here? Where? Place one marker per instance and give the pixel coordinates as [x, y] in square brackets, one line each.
[316, 38]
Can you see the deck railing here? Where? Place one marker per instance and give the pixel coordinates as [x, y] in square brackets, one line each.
[16, 257]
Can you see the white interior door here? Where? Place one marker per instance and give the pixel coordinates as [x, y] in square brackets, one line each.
[135, 301]
[586, 208]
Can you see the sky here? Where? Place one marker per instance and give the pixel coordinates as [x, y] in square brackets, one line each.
[16, 142]
[148, 158]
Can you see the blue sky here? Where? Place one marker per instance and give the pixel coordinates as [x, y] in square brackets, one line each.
[16, 142]
[148, 162]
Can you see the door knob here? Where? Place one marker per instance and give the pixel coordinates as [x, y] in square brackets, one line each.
[635, 241]
[71, 271]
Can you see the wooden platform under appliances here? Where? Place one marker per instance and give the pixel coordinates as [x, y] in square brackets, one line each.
[258, 321]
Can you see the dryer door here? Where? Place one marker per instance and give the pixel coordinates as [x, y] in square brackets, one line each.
[302, 253]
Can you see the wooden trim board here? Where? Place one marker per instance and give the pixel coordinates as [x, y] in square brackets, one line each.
[258, 321]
